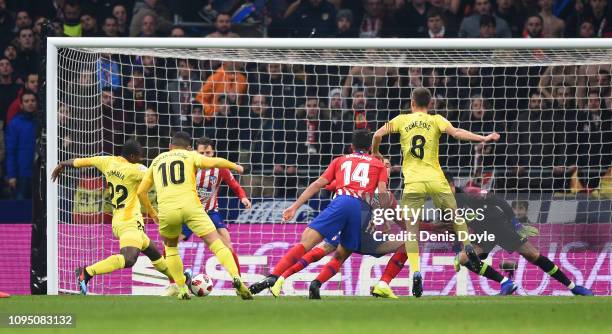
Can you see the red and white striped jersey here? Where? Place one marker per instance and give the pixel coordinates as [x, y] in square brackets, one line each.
[208, 182]
[356, 174]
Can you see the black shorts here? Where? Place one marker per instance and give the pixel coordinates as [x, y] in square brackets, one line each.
[506, 236]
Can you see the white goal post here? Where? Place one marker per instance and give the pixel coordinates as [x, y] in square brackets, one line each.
[379, 53]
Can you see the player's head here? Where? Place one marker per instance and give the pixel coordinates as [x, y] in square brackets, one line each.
[362, 139]
[132, 151]
[420, 98]
[205, 146]
[180, 140]
[520, 208]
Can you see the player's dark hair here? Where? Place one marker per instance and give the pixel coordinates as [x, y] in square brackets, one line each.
[131, 148]
[362, 139]
[421, 97]
[181, 138]
[205, 142]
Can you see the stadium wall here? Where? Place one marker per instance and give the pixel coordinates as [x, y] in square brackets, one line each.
[15, 249]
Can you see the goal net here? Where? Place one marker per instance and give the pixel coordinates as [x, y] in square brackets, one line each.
[284, 113]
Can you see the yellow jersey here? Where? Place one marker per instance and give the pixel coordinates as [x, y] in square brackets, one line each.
[420, 142]
[122, 180]
[174, 176]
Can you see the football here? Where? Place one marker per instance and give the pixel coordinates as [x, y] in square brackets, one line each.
[201, 285]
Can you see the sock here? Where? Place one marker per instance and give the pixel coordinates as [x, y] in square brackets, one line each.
[225, 257]
[161, 266]
[313, 255]
[175, 265]
[490, 273]
[291, 257]
[329, 270]
[235, 256]
[107, 265]
[412, 250]
[394, 266]
[551, 269]
[164, 256]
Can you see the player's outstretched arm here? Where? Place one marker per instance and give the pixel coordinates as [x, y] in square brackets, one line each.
[377, 139]
[203, 162]
[143, 196]
[310, 191]
[57, 171]
[76, 163]
[462, 134]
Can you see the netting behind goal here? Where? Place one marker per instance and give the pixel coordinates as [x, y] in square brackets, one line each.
[284, 114]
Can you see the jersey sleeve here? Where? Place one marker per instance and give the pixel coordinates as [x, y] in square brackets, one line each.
[331, 186]
[442, 123]
[382, 176]
[330, 172]
[394, 124]
[100, 162]
[141, 170]
[147, 175]
[204, 162]
[231, 182]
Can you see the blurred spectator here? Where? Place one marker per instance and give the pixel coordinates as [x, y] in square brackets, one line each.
[6, 24]
[555, 76]
[451, 21]
[89, 25]
[533, 26]
[113, 122]
[20, 141]
[193, 123]
[470, 26]
[181, 90]
[110, 27]
[30, 85]
[279, 84]
[152, 136]
[362, 115]
[227, 82]
[586, 29]
[8, 87]
[596, 11]
[177, 31]
[22, 20]
[553, 26]
[27, 60]
[10, 52]
[72, 18]
[120, 13]
[415, 18]
[373, 19]
[149, 26]
[263, 139]
[567, 149]
[109, 74]
[488, 25]
[311, 18]
[223, 26]
[344, 24]
[311, 135]
[521, 208]
[507, 11]
[151, 8]
[436, 25]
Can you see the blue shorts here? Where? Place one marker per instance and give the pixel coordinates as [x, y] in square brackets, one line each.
[345, 214]
[334, 241]
[216, 218]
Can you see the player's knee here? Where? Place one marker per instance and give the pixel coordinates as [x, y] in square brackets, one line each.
[531, 256]
[130, 260]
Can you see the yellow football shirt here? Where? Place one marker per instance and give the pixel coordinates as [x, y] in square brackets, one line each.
[173, 174]
[122, 179]
[420, 141]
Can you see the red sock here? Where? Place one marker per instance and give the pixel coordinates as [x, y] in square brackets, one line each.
[329, 270]
[236, 260]
[313, 255]
[395, 265]
[164, 255]
[291, 257]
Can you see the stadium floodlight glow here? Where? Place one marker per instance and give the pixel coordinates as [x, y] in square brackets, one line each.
[478, 83]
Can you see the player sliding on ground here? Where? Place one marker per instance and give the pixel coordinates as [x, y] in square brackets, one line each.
[423, 177]
[123, 175]
[356, 174]
[173, 174]
[208, 182]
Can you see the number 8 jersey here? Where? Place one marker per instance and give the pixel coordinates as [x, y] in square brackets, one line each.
[174, 176]
[420, 139]
[122, 180]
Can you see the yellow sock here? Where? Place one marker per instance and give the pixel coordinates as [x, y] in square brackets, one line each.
[108, 265]
[175, 265]
[412, 250]
[161, 266]
[225, 257]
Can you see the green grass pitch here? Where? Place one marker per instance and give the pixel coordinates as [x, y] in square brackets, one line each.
[491, 315]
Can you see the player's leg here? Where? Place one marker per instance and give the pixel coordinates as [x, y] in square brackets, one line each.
[158, 261]
[412, 202]
[224, 234]
[393, 268]
[313, 255]
[507, 285]
[203, 227]
[328, 271]
[170, 222]
[531, 254]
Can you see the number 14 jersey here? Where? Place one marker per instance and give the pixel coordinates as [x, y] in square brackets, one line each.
[420, 140]
[356, 174]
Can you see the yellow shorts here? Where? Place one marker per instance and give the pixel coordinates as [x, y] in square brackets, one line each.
[171, 220]
[131, 234]
[416, 193]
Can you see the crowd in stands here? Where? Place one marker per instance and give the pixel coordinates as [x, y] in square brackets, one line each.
[289, 120]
